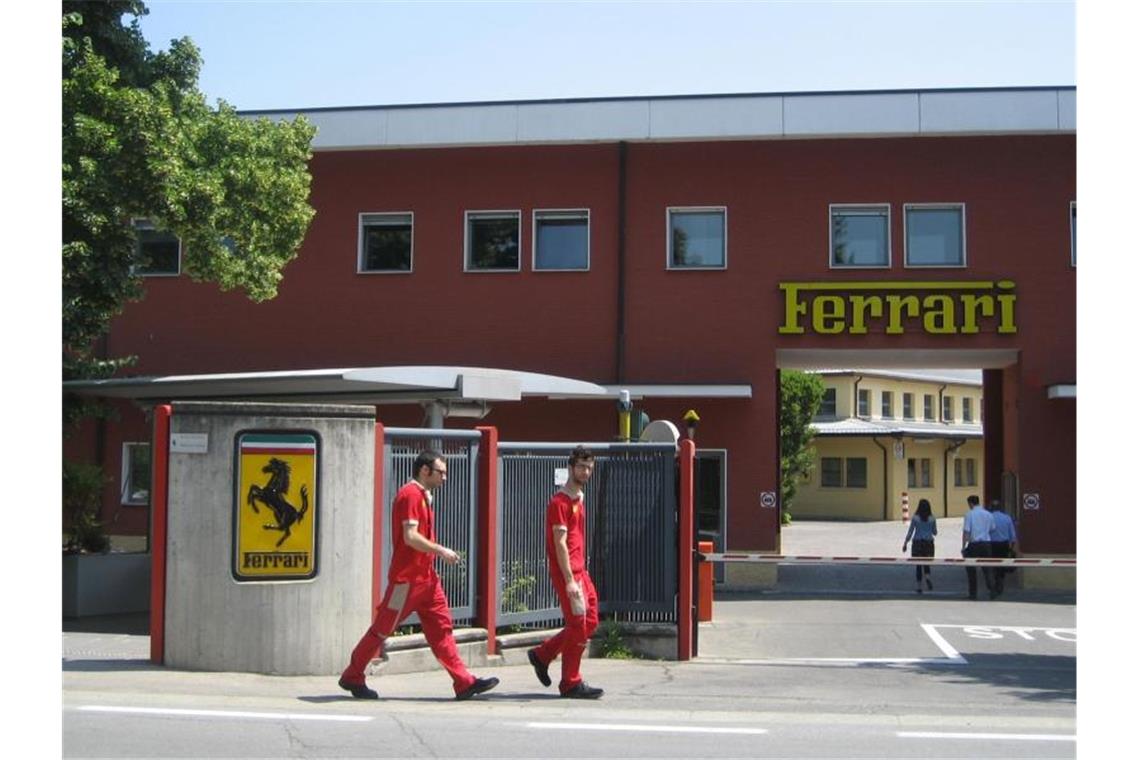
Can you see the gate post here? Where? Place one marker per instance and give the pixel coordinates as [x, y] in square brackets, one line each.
[159, 476]
[685, 458]
[378, 459]
[487, 581]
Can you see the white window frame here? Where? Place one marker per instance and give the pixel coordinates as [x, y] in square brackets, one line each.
[841, 473]
[933, 416]
[861, 410]
[669, 211]
[906, 235]
[489, 213]
[831, 208]
[968, 407]
[141, 223]
[948, 404]
[904, 414]
[556, 213]
[1073, 234]
[889, 397]
[835, 402]
[125, 489]
[360, 242]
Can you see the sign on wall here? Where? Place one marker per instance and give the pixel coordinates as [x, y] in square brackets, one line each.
[935, 308]
[276, 505]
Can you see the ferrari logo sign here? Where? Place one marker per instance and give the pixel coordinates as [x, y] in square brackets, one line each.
[275, 506]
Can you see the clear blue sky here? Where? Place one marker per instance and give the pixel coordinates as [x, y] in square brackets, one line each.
[276, 54]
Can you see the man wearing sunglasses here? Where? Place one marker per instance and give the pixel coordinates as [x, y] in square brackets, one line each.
[413, 586]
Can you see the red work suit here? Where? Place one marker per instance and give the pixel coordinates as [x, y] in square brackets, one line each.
[413, 586]
[570, 642]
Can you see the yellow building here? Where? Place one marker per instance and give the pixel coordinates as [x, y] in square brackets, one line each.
[883, 436]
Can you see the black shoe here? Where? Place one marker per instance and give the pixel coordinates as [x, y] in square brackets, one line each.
[360, 691]
[583, 690]
[929, 585]
[481, 685]
[541, 670]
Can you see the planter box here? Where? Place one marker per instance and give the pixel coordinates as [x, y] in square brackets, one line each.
[105, 584]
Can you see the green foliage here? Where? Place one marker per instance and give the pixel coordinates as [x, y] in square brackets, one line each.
[611, 644]
[800, 397]
[140, 142]
[517, 587]
[82, 495]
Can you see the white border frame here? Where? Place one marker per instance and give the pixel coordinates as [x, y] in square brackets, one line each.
[360, 243]
[1073, 234]
[669, 210]
[883, 392]
[125, 473]
[906, 236]
[554, 212]
[902, 405]
[467, 214]
[831, 207]
[948, 399]
[142, 223]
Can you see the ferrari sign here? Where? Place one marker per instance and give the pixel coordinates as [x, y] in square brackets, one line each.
[275, 505]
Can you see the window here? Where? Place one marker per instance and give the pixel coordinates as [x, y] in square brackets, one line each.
[965, 472]
[860, 236]
[157, 253]
[857, 472]
[135, 487]
[831, 472]
[561, 240]
[947, 408]
[888, 405]
[864, 402]
[697, 239]
[827, 405]
[935, 235]
[918, 473]
[385, 243]
[1073, 233]
[967, 409]
[908, 406]
[928, 407]
[492, 241]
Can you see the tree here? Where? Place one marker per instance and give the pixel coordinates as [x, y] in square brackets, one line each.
[800, 396]
[140, 142]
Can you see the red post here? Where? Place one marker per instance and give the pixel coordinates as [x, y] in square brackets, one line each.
[685, 459]
[159, 477]
[377, 515]
[487, 583]
[705, 584]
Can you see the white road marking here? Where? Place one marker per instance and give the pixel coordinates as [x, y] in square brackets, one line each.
[840, 661]
[644, 728]
[988, 737]
[222, 713]
[950, 652]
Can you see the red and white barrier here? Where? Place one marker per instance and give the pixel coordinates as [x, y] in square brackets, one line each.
[806, 559]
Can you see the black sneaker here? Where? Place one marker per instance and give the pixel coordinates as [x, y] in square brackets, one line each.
[541, 670]
[583, 690]
[481, 685]
[360, 691]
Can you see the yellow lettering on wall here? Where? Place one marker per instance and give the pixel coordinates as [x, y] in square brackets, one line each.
[938, 315]
[860, 305]
[971, 306]
[1006, 324]
[793, 309]
[895, 305]
[827, 314]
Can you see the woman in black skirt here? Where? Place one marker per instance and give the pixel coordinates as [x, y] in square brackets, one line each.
[923, 529]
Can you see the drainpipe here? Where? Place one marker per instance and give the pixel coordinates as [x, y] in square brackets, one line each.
[857, 381]
[619, 358]
[946, 473]
[886, 492]
[940, 407]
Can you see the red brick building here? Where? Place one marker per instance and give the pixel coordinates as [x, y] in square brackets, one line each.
[685, 248]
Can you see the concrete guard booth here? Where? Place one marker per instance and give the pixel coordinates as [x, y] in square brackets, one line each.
[231, 598]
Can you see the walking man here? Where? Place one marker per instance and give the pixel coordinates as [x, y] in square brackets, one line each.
[566, 557]
[976, 527]
[1003, 542]
[413, 586]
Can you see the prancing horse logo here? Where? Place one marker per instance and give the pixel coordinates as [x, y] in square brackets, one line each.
[272, 495]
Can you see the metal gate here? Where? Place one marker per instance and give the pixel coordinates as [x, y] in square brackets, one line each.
[454, 506]
[631, 530]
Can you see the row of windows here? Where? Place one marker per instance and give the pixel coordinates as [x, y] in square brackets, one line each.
[851, 472]
[828, 406]
[860, 237]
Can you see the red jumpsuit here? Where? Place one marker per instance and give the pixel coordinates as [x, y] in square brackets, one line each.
[570, 642]
[413, 586]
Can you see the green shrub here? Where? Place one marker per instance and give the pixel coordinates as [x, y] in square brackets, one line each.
[82, 496]
[611, 644]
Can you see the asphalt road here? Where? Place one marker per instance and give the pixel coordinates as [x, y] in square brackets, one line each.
[838, 664]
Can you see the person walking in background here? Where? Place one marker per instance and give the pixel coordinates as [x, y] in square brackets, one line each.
[976, 527]
[1003, 542]
[923, 528]
[566, 556]
[413, 586]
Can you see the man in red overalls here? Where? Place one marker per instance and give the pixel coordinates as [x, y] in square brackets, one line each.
[413, 586]
[566, 555]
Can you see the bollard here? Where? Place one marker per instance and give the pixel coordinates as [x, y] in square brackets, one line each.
[705, 584]
[905, 507]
